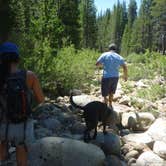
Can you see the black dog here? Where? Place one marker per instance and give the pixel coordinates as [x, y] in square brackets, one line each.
[93, 113]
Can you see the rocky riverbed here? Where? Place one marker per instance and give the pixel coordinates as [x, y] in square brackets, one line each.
[140, 139]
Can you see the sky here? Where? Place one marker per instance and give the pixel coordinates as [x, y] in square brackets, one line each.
[104, 4]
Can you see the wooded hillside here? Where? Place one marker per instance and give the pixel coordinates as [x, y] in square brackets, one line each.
[64, 22]
[44, 29]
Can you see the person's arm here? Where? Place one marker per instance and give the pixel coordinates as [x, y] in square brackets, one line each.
[99, 62]
[34, 84]
[38, 91]
[125, 73]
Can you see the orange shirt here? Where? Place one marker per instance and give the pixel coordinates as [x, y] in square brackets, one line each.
[34, 85]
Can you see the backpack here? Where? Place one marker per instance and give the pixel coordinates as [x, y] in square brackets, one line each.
[17, 98]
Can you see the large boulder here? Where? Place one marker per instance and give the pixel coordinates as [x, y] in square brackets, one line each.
[131, 154]
[113, 160]
[160, 149]
[120, 109]
[110, 143]
[141, 138]
[140, 121]
[51, 151]
[129, 120]
[84, 99]
[78, 128]
[158, 130]
[52, 124]
[149, 159]
[42, 132]
[145, 120]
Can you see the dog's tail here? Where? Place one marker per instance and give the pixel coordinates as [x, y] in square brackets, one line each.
[74, 104]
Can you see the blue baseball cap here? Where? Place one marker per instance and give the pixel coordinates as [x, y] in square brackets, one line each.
[9, 47]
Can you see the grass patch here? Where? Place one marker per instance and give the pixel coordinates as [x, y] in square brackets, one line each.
[153, 93]
[146, 66]
[127, 87]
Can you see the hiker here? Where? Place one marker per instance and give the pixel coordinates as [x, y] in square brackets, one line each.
[111, 62]
[16, 87]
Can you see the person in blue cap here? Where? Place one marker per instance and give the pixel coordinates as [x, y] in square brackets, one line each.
[111, 62]
[16, 132]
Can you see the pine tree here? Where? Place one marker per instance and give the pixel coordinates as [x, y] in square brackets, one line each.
[104, 33]
[126, 39]
[5, 19]
[88, 23]
[132, 12]
[142, 31]
[12, 19]
[69, 16]
[159, 25]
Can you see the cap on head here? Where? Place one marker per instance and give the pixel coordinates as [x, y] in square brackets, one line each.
[112, 47]
[9, 47]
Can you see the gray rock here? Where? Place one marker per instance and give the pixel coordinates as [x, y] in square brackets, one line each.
[161, 106]
[60, 99]
[139, 121]
[120, 109]
[66, 118]
[145, 120]
[51, 124]
[149, 159]
[158, 130]
[118, 95]
[72, 136]
[110, 143]
[112, 160]
[133, 164]
[140, 147]
[131, 161]
[124, 132]
[76, 92]
[84, 99]
[131, 154]
[129, 120]
[124, 100]
[160, 149]
[58, 151]
[138, 138]
[78, 128]
[42, 132]
[140, 84]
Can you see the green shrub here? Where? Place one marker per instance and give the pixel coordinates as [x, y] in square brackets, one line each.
[136, 58]
[146, 66]
[153, 93]
[69, 69]
[72, 69]
[137, 72]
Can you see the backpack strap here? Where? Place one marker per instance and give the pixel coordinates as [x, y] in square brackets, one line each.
[23, 74]
[2, 107]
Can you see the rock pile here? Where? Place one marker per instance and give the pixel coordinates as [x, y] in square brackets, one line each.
[140, 141]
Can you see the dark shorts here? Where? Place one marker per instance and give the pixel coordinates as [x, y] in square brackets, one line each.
[109, 85]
